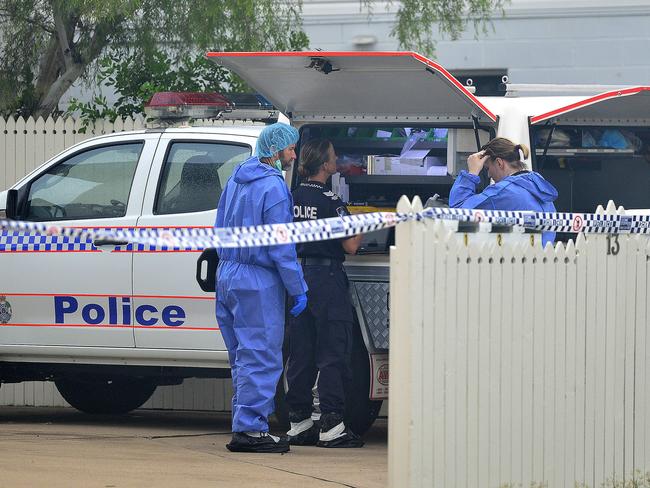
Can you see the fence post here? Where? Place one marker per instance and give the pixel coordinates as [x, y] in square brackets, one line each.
[399, 401]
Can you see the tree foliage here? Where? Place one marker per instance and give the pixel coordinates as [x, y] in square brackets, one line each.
[46, 45]
[136, 78]
[140, 46]
[417, 18]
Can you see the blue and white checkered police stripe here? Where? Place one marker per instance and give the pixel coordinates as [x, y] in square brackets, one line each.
[37, 236]
[640, 224]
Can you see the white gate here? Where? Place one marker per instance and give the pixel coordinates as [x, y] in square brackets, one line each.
[513, 365]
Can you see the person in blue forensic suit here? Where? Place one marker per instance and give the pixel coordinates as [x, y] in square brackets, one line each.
[251, 285]
[515, 187]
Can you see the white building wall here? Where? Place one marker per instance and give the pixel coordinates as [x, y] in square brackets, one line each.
[551, 41]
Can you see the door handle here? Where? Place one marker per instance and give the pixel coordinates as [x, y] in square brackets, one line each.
[109, 242]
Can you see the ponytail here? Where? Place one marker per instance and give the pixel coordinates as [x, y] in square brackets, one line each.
[525, 152]
[512, 153]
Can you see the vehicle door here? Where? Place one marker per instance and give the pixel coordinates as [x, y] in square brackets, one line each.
[189, 171]
[596, 149]
[63, 291]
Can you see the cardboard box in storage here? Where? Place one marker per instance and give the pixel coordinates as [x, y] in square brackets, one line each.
[386, 165]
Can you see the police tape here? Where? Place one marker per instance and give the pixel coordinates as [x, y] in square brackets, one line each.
[15, 235]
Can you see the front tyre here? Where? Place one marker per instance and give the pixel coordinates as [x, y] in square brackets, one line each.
[117, 395]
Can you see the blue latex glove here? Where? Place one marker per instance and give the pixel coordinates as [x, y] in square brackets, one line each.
[299, 304]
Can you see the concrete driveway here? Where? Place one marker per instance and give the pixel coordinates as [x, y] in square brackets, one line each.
[64, 448]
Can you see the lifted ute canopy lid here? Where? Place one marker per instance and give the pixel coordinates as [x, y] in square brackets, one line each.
[626, 106]
[366, 86]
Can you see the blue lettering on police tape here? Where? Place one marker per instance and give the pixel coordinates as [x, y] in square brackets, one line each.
[626, 222]
[553, 222]
[96, 313]
[530, 220]
[505, 220]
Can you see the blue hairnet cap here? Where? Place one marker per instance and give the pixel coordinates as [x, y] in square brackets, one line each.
[275, 138]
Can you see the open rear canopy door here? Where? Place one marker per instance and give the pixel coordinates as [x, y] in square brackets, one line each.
[627, 106]
[359, 86]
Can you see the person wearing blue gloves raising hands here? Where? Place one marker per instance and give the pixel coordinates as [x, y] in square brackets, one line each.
[251, 284]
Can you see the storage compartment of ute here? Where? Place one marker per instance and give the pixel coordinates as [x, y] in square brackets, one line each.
[590, 165]
[377, 164]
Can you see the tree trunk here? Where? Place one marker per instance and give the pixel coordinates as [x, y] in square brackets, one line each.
[65, 60]
[49, 102]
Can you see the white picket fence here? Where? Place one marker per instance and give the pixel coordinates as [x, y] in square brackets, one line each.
[26, 143]
[517, 366]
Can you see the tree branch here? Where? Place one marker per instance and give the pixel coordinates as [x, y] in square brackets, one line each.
[62, 37]
[88, 50]
[12, 17]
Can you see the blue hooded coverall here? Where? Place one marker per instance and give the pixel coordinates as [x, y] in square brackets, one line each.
[524, 191]
[251, 285]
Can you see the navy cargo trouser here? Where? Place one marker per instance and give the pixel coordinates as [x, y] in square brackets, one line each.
[321, 341]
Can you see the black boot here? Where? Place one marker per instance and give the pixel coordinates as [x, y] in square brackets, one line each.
[334, 433]
[303, 432]
[242, 442]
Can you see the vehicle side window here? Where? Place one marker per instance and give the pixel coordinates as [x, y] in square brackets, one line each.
[89, 185]
[193, 174]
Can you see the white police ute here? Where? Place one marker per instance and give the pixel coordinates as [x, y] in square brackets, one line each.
[108, 322]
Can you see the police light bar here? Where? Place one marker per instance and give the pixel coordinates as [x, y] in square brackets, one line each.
[177, 105]
[251, 106]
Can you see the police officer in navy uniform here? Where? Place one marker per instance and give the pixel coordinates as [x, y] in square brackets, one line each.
[321, 337]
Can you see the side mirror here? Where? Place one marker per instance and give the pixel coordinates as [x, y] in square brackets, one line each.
[12, 204]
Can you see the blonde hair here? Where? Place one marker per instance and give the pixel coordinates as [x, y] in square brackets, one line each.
[512, 153]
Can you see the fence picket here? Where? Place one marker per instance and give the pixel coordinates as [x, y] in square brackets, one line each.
[495, 357]
[627, 370]
[10, 152]
[434, 335]
[31, 160]
[118, 125]
[452, 362]
[20, 150]
[400, 362]
[79, 131]
[4, 183]
[641, 377]
[473, 383]
[571, 353]
[461, 357]
[559, 423]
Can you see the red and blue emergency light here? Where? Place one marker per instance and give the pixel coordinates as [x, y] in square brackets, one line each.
[177, 105]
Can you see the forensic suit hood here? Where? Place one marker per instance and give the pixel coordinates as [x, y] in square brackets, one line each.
[262, 197]
[523, 191]
[536, 185]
